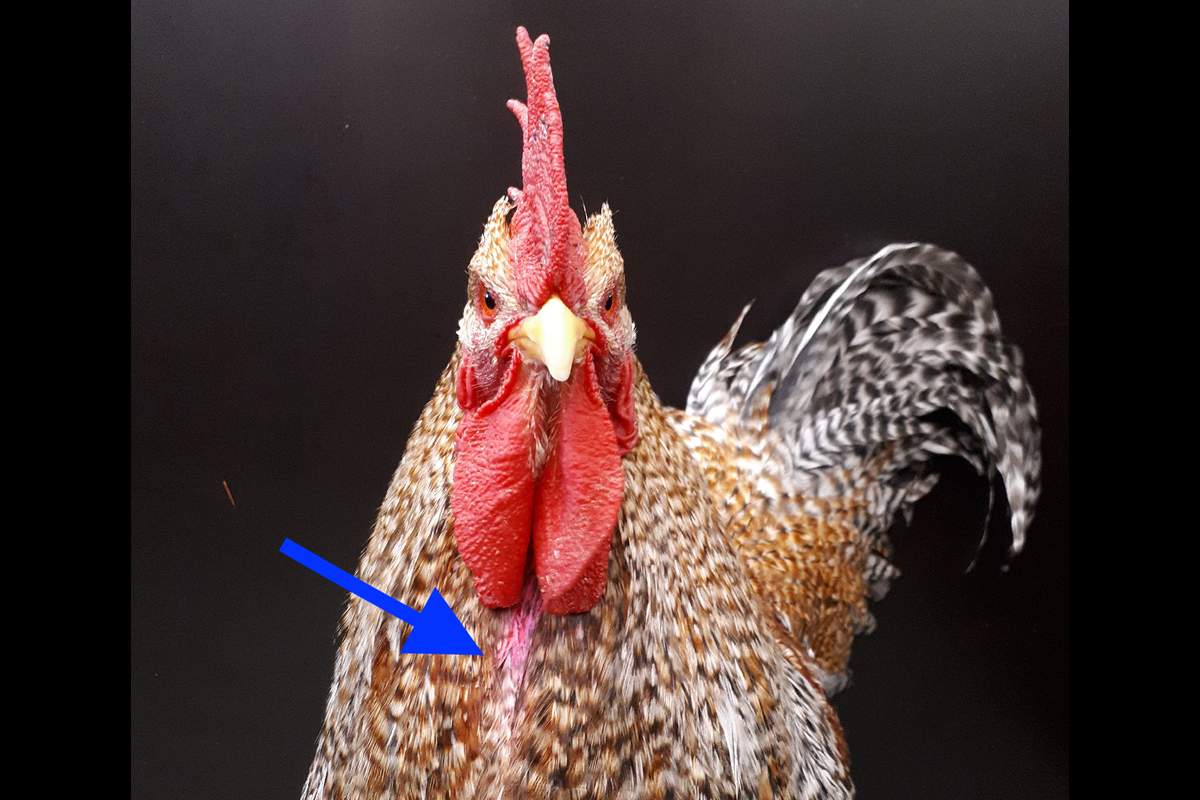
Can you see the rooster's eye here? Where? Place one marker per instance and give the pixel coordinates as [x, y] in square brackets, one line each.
[610, 306]
[487, 304]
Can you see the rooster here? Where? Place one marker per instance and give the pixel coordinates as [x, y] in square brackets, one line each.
[664, 599]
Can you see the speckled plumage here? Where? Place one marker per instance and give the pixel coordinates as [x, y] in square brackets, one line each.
[751, 534]
[671, 686]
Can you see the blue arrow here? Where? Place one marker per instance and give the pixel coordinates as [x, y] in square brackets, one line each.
[435, 628]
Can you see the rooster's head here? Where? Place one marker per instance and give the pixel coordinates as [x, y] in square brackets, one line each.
[545, 379]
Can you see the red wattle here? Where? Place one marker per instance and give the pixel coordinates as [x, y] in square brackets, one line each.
[492, 495]
[578, 499]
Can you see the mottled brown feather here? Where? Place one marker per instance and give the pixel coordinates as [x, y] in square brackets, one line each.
[677, 684]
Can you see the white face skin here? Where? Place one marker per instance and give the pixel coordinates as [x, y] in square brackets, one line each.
[494, 313]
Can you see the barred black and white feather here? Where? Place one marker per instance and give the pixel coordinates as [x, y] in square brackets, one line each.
[885, 363]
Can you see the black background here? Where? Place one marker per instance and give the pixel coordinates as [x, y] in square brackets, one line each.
[308, 182]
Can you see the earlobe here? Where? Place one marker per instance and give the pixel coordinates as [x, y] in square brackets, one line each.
[624, 411]
[464, 386]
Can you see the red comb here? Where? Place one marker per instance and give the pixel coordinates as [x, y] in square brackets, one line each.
[547, 242]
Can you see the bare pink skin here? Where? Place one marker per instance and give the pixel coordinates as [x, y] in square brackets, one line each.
[514, 650]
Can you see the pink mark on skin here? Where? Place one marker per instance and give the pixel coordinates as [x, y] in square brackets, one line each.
[513, 651]
[521, 624]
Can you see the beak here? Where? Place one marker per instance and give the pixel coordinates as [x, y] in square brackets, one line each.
[554, 336]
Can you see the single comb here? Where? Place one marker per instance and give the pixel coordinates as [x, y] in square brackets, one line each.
[547, 241]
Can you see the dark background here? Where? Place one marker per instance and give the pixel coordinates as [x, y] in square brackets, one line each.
[308, 181]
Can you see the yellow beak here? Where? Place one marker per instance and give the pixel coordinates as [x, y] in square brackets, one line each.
[554, 336]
